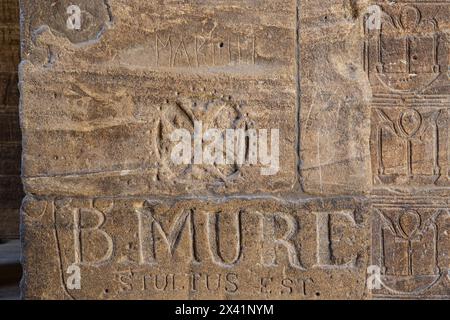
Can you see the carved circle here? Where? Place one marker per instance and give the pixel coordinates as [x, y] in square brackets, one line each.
[409, 222]
[410, 122]
[410, 18]
[34, 208]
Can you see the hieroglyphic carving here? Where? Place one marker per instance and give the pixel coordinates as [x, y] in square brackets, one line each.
[405, 58]
[410, 247]
[203, 51]
[406, 54]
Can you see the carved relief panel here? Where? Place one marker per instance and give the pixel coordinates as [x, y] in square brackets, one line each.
[409, 145]
[410, 245]
[405, 58]
[405, 49]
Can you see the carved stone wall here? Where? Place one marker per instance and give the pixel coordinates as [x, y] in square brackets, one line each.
[10, 138]
[355, 207]
[406, 60]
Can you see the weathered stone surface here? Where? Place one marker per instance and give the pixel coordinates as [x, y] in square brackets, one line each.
[410, 243]
[10, 186]
[355, 208]
[108, 115]
[335, 98]
[111, 135]
[410, 95]
[406, 60]
[197, 249]
[239, 37]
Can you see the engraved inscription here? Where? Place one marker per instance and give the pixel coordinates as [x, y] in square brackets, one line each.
[171, 50]
[197, 248]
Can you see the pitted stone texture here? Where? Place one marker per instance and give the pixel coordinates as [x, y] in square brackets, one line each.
[406, 61]
[407, 65]
[411, 245]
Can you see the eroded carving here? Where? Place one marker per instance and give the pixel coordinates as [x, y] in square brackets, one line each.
[404, 53]
[95, 19]
[410, 249]
[212, 112]
[407, 144]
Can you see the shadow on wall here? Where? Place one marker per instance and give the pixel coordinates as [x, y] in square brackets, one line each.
[11, 192]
